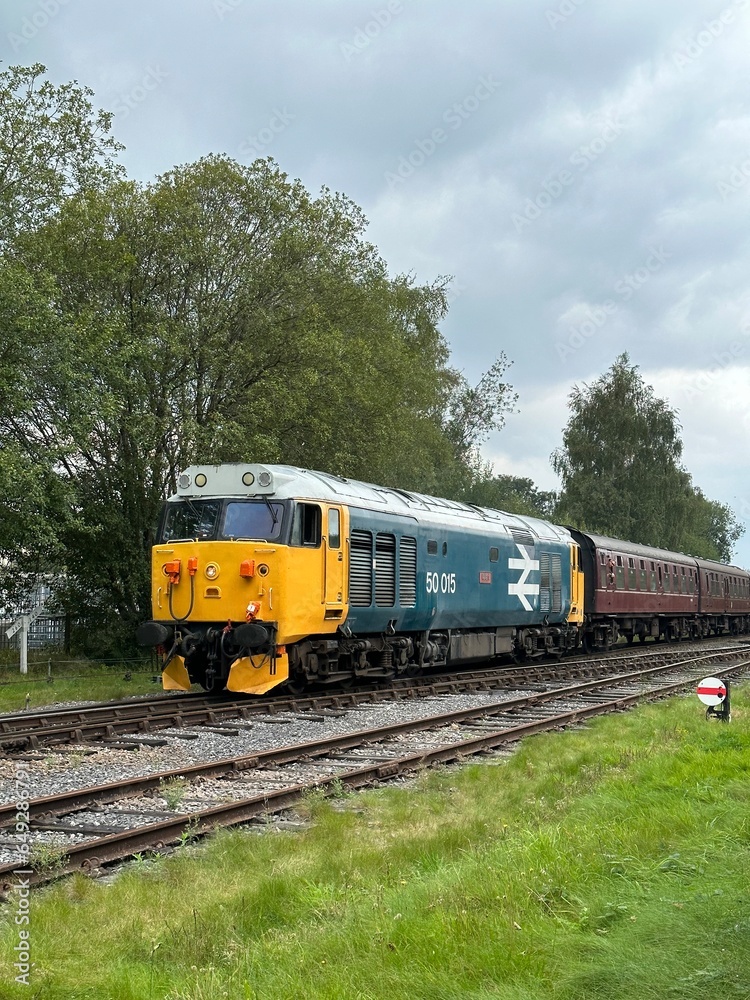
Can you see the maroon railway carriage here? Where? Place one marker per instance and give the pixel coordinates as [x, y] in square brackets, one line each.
[724, 597]
[635, 590]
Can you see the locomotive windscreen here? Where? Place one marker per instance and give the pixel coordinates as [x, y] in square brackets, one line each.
[191, 519]
[211, 519]
[251, 519]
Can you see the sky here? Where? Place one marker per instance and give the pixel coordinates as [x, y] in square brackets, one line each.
[579, 168]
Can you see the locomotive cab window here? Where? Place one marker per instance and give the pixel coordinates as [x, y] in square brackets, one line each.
[252, 519]
[306, 525]
[494, 555]
[190, 519]
[334, 528]
[432, 547]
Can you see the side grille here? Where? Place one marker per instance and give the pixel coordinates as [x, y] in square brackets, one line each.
[385, 570]
[544, 594]
[556, 584]
[360, 570]
[407, 572]
[522, 537]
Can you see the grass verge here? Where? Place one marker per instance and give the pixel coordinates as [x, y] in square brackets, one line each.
[79, 683]
[609, 863]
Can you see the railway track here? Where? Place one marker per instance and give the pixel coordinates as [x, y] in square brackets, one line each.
[31, 730]
[108, 823]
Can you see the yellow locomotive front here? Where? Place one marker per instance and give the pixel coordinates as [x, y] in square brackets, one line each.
[243, 570]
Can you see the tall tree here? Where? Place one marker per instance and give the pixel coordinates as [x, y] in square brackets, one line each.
[621, 471]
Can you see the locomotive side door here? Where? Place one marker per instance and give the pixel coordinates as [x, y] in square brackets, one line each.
[576, 584]
[335, 536]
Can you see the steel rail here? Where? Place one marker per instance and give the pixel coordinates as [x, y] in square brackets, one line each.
[106, 721]
[92, 853]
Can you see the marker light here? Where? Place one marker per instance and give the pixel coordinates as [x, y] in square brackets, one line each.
[248, 479]
[264, 479]
[184, 481]
[247, 567]
[211, 571]
[200, 479]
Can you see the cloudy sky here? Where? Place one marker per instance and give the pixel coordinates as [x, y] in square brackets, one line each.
[581, 169]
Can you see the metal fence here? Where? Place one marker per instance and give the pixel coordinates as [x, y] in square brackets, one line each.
[46, 632]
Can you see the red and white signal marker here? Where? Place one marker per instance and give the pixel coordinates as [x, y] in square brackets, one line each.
[712, 691]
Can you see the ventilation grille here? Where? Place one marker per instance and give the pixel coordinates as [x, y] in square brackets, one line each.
[550, 584]
[385, 570]
[556, 584]
[522, 537]
[407, 572]
[360, 570]
[544, 588]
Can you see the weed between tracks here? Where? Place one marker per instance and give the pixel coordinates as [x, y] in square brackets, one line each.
[605, 863]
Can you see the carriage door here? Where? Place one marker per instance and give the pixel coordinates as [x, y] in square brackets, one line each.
[335, 533]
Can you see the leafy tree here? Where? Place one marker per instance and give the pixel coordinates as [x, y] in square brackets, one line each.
[52, 143]
[621, 471]
[220, 314]
[516, 494]
[712, 528]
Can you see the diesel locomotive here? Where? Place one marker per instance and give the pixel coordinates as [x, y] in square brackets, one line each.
[267, 574]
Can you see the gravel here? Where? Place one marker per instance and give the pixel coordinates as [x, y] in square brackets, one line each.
[67, 768]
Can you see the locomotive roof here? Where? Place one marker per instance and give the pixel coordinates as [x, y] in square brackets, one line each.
[284, 482]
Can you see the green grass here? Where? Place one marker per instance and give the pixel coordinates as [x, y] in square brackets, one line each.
[608, 863]
[73, 682]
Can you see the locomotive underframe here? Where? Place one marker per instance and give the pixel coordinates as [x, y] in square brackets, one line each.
[210, 650]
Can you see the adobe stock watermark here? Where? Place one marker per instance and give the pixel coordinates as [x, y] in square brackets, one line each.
[35, 22]
[707, 379]
[366, 34]
[454, 291]
[706, 36]
[563, 12]
[257, 145]
[738, 178]
[222, 8]
[453, 118]
[150, 81]
[22, 916]
[598, 316]
[581, 158]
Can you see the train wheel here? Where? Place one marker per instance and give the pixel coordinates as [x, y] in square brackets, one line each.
[296, 685]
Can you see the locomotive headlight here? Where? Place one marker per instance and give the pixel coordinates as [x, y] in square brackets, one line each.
[211, 571]
[184, 481]
[248, 479]
[264, 479]
[200, 479]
